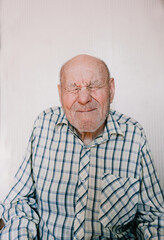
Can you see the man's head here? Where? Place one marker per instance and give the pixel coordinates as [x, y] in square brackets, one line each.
[86, 91]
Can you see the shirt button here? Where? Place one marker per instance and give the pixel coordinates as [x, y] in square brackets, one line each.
[83, 181]
[78, 215]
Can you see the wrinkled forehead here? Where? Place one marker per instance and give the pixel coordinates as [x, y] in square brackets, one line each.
[88, 69]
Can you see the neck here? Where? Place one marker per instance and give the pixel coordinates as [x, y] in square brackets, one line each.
[88, 137]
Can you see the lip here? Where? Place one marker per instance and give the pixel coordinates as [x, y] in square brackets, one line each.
[85, 111]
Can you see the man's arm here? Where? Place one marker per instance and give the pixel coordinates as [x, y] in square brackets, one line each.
[1, 224]
[150, 217]
[19, 210]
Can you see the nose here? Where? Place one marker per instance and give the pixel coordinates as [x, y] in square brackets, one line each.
[84, 96]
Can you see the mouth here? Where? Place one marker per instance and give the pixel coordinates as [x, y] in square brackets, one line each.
[85, 111]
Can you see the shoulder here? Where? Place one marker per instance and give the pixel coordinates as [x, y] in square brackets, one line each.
[49, 112]
[49, 115]
[126, 121]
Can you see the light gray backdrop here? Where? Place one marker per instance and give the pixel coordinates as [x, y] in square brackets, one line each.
[38, 36]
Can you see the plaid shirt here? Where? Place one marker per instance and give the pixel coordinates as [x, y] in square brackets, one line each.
[66, 190]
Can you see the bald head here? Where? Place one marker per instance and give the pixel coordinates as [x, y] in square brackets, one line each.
[86, 91]
[84, 60]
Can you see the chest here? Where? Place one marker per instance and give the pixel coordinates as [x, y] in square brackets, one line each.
[62, 162]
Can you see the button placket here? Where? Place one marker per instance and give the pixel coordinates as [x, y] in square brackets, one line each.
[93, 200]
[81, 195]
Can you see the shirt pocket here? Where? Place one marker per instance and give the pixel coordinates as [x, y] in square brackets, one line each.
[118, 203]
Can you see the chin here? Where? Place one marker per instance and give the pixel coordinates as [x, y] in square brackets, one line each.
[87, 124]
[87, 127]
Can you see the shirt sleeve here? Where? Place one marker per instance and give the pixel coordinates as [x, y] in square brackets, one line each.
[150, 217]
[19, 209]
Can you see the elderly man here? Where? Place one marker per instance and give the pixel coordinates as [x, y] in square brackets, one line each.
[88, 171]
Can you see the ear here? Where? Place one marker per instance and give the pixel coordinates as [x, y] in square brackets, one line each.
[59, 91]
[112, 89]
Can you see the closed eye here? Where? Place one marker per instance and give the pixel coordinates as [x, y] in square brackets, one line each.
[72, 89]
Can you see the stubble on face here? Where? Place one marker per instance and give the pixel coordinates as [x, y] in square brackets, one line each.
[88, 112]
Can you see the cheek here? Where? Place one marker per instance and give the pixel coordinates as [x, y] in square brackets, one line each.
[102, 98]
[68, 101]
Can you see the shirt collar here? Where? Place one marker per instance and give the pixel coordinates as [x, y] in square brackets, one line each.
[112, 126]
[62, 118]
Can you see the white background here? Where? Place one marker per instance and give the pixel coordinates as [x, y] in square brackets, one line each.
[38, 36]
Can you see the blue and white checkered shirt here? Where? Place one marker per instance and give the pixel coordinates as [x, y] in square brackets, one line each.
[65, 190]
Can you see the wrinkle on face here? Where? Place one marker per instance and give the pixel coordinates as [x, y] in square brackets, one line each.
[85, 94]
